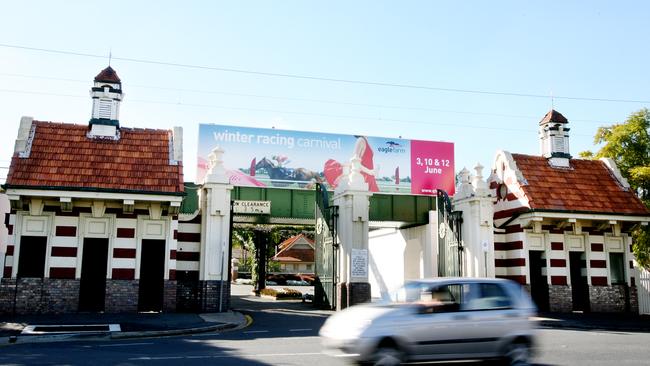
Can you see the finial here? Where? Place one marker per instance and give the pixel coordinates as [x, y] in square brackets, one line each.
[552, 101]
[110, 56]
[479, 170]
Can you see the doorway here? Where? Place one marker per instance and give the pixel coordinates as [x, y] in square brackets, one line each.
[579, 285]
[92, 287]
[538, 279]
[152, 275]
[31, 259]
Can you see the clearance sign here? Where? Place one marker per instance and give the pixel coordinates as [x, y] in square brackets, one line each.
[297, 159]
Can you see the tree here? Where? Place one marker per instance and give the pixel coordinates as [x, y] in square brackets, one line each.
[628, 144]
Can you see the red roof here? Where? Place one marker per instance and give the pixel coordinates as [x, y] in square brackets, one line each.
[62, 156]
[587, 186]
[288, 254]
[295, 255]
[108, 75]
[553, 116]
[289, 242]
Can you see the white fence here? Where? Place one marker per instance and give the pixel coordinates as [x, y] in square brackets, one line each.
[644, 292]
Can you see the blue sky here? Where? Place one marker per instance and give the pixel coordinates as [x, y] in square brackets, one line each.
[578, 49]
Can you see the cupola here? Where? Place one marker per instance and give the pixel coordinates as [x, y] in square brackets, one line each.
[107, 95]
[554, 139]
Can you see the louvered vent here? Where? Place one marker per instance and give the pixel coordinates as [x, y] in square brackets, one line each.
[558, 144]
[105, 107]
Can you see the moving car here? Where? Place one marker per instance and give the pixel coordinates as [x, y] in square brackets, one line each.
[437, 319]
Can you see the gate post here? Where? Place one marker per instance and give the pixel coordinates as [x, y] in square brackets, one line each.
[353, 199]
[215, 235]
[474, 199]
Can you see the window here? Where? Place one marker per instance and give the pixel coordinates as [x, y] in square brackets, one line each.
[309, 266]
[489, 296]
[446, 298]
[617, 268]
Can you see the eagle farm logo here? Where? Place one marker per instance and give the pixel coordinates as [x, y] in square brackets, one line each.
[392, 147]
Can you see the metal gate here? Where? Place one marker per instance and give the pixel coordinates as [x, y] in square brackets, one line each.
[326, 251]
[644, 291]
[450, 247]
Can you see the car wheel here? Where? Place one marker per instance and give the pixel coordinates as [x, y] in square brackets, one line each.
[517, 353]
[388, 356]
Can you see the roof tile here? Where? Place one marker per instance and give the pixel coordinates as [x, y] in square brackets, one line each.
[587, 186]
[63, 157]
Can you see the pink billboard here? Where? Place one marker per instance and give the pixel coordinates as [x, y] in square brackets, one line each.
[298, 159]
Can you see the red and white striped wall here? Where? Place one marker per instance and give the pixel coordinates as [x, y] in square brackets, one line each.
[62, 248]
[9, 255]
[125, 245]
[65, 239]
[188, 253]
[510, 257]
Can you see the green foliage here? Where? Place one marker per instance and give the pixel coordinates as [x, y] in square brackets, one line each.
[274, 266]
[640, 245]
[244, 237]
[628, 144]
[285, 293]
[586, 154]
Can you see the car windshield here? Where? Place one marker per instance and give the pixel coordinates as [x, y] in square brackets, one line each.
[410, 292]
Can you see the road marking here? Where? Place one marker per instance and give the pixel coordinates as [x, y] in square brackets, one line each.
[256, 331]
[145, 358]
[125, 344]
[271, 355]
[300, 330]
[206, 335]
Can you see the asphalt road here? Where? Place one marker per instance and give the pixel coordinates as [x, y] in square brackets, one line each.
[286, 334]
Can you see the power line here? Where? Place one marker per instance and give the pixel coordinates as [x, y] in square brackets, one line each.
[375, 119]
[320, 78]
[414, 108]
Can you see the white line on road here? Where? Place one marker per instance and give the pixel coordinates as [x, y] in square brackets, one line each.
[275, 354]
[125, 344]
[120, 345]
[145, 358]
[300, 330]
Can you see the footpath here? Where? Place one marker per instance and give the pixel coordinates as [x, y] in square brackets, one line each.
[91, 326]
[87, 326]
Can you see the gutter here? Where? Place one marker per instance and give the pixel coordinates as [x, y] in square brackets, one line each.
[544, 210]
[91, 189]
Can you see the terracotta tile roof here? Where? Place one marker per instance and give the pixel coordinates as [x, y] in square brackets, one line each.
[63, 157]
[108, 75]
[553, 116]
[289, 242]
[295, 255]
[288, 254]
[588, 186]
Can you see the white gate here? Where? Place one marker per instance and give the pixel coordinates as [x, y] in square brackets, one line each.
[644, 291]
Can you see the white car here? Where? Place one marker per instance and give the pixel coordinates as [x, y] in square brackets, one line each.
[437, 319]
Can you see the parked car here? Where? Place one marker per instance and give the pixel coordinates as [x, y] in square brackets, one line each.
[437, 319]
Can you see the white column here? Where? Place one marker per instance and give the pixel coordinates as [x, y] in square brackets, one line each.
[215, 221]
[474, 199]
[353, 199]
[430, 248]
